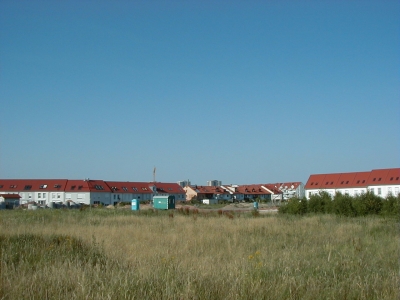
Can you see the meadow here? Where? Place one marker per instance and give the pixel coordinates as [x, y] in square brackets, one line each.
[120, 254]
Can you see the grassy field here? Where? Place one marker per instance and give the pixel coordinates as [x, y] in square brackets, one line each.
[119, 254]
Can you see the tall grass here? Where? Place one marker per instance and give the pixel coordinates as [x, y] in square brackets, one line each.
[117, 254]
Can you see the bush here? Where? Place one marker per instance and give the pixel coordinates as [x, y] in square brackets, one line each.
[343, 205]
[294, 206]
[320, 203]
[391, 206]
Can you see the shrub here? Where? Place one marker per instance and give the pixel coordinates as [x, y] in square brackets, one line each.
[320, 203]
[343, 205]
[294, 206]
[391, 206]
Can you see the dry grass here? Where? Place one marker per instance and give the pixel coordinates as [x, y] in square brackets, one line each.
[125, 255]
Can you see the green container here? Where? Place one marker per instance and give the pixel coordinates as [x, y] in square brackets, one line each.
[164, 202]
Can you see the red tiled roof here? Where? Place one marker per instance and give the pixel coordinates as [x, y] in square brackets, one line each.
[88, 185]
[205, 189]
[354, 179]
[168, 188]
[129, 187]
[22, 185]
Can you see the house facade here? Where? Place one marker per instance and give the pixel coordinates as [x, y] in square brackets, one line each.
[382, 182]
[207, 192]
[45, 192]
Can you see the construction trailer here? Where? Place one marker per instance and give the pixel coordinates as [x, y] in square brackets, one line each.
[164, 202]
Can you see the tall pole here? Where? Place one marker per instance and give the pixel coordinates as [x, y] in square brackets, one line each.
[154, 174]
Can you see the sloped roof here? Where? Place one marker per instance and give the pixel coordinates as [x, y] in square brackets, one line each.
[169, 188]
[354, 179]
[205, 189]
[256, 189]
[26, 185]
[125, 187]
[88, 185]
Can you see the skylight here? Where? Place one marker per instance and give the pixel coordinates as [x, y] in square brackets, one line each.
[43, 186]
[27, 187]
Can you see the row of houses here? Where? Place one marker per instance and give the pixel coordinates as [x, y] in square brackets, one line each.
[48, 191]
[381, 182]
[87, 191]
[272, 191]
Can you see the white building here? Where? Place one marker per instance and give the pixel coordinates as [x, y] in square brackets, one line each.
[382, 182]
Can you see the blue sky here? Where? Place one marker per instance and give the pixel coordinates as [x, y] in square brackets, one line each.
[239, 91]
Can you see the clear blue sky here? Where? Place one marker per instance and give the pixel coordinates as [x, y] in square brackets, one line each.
[239, 91]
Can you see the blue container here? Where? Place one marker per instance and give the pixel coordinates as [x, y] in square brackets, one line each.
[255, 205]
[135, 204]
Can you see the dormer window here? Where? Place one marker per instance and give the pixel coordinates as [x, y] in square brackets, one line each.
[57, 186]
[43, 186]
[13, 186]
[125, 188]
[27, 187]
[379, 179]
[347, 182]
[374, 179]
[342, 182]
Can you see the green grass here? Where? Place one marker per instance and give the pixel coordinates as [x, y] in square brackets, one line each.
[120, 254]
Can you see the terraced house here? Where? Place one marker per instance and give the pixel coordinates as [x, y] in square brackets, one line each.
[382, 182]
[47, 191]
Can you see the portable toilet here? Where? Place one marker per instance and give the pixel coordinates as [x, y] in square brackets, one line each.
[135, 204]
[255, 205]
[164, 202]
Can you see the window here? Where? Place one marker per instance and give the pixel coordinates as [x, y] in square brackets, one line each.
[57, 186]
[125, 188]
[309, 194]
[135, 189]
[27, 187]
[43, 186]
[389, 190]
[374, 179]
[53, 195]
[358, 181]
[44, 195]
[144, 189]
[13, 186]
[73, 187]
[1, 186]
[312, 183]
[379, 191]
[347, 182]
[96, 202]
[342, 182]
[58, 196]
[30, 196]
[346, 192]
[363, 181]
[39, 195]
[379, 179]
[355, 192]
[80, 187]
[391, 178]
[372, 190]
[396, 190]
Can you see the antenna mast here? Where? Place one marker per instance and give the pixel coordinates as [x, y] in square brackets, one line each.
[154, 174]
